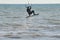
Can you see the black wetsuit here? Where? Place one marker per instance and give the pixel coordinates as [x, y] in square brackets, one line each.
[29, 10]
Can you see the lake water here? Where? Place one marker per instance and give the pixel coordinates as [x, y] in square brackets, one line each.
[15, 26]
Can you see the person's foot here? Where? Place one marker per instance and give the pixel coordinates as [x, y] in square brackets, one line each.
[35, 14]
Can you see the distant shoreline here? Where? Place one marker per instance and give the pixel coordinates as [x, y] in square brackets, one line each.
[35, 4]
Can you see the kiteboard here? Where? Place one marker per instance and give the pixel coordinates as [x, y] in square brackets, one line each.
[32, 15]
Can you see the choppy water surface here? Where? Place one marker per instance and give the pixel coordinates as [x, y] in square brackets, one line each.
[15, 26]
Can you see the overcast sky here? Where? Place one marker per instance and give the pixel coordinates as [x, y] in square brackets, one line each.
[30, 1]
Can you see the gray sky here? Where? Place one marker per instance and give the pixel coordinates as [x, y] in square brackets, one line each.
[30, 1]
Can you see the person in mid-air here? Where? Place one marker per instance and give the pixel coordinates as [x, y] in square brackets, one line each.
[29, 11]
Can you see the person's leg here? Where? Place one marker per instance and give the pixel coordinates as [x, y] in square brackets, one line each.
[29, 13]
[33, 12]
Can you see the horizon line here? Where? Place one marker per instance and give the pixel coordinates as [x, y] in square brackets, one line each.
[30, 3]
